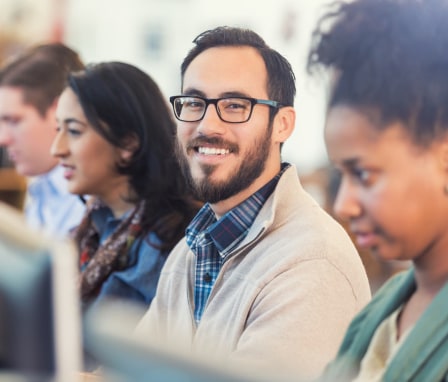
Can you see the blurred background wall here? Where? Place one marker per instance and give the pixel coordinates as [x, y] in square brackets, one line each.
[155, 35]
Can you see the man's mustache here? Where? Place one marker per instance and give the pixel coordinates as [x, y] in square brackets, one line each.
[212, 141]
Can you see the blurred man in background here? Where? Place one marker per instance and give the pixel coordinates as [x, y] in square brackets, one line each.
[30, 86]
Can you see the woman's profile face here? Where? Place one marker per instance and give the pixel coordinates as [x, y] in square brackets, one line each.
[89, 160]
[391, 191]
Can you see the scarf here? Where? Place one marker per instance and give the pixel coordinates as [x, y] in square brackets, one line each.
[97, 261]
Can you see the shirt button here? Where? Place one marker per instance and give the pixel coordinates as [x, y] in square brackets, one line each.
[207, 278]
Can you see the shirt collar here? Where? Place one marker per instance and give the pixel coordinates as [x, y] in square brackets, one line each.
[103, 216]
[233, 226]
[53, 179]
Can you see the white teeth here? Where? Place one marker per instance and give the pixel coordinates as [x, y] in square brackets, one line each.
[212, 151]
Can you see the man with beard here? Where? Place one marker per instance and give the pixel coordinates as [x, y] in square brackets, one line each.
[264, 279]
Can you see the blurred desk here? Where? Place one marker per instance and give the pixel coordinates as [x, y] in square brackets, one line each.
[12, 187]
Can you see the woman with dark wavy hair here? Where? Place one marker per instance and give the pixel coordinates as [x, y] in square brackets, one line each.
[115, 141]
[387, 134]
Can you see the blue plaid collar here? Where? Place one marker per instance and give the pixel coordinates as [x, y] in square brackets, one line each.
[233, 227]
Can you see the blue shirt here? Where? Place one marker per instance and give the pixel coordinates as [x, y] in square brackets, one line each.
[50, 206]
[212, 240]
[138, 281]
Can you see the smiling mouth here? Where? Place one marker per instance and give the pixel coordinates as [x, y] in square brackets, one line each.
[212, 146]
[366, 239]
[211, 151]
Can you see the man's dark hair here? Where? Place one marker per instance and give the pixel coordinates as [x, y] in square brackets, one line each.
[41, 72]
[281, 79]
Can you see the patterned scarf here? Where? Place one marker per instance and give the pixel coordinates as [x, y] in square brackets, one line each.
[97, 261]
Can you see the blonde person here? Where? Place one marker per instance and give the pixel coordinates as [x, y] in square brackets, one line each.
[387, 134]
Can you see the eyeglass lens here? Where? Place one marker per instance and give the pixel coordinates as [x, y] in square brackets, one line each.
[191, 109]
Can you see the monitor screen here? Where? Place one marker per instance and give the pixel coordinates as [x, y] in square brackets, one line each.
[110, 338]
[39, 308]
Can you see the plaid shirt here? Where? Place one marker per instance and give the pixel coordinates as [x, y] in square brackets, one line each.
[212, 240]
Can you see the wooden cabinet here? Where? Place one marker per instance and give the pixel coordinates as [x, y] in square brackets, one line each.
[12, 187]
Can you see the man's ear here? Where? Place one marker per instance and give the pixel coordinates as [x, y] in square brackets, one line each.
[284, 124]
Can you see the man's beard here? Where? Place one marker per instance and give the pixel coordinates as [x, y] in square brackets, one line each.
[250, 168]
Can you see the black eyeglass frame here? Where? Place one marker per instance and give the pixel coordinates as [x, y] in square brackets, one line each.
[214, 101]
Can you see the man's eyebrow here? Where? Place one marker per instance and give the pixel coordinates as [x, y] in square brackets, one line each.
[199, 93]
[234, 94]
[9, 117]
[193, 92]
[350, 162]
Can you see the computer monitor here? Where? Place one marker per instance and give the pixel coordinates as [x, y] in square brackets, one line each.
[110, 338]
[40, 333]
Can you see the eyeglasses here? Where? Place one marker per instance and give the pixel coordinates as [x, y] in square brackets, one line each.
[229, 109]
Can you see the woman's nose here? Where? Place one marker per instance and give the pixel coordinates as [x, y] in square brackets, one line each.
[346, 204]
[59, 147]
